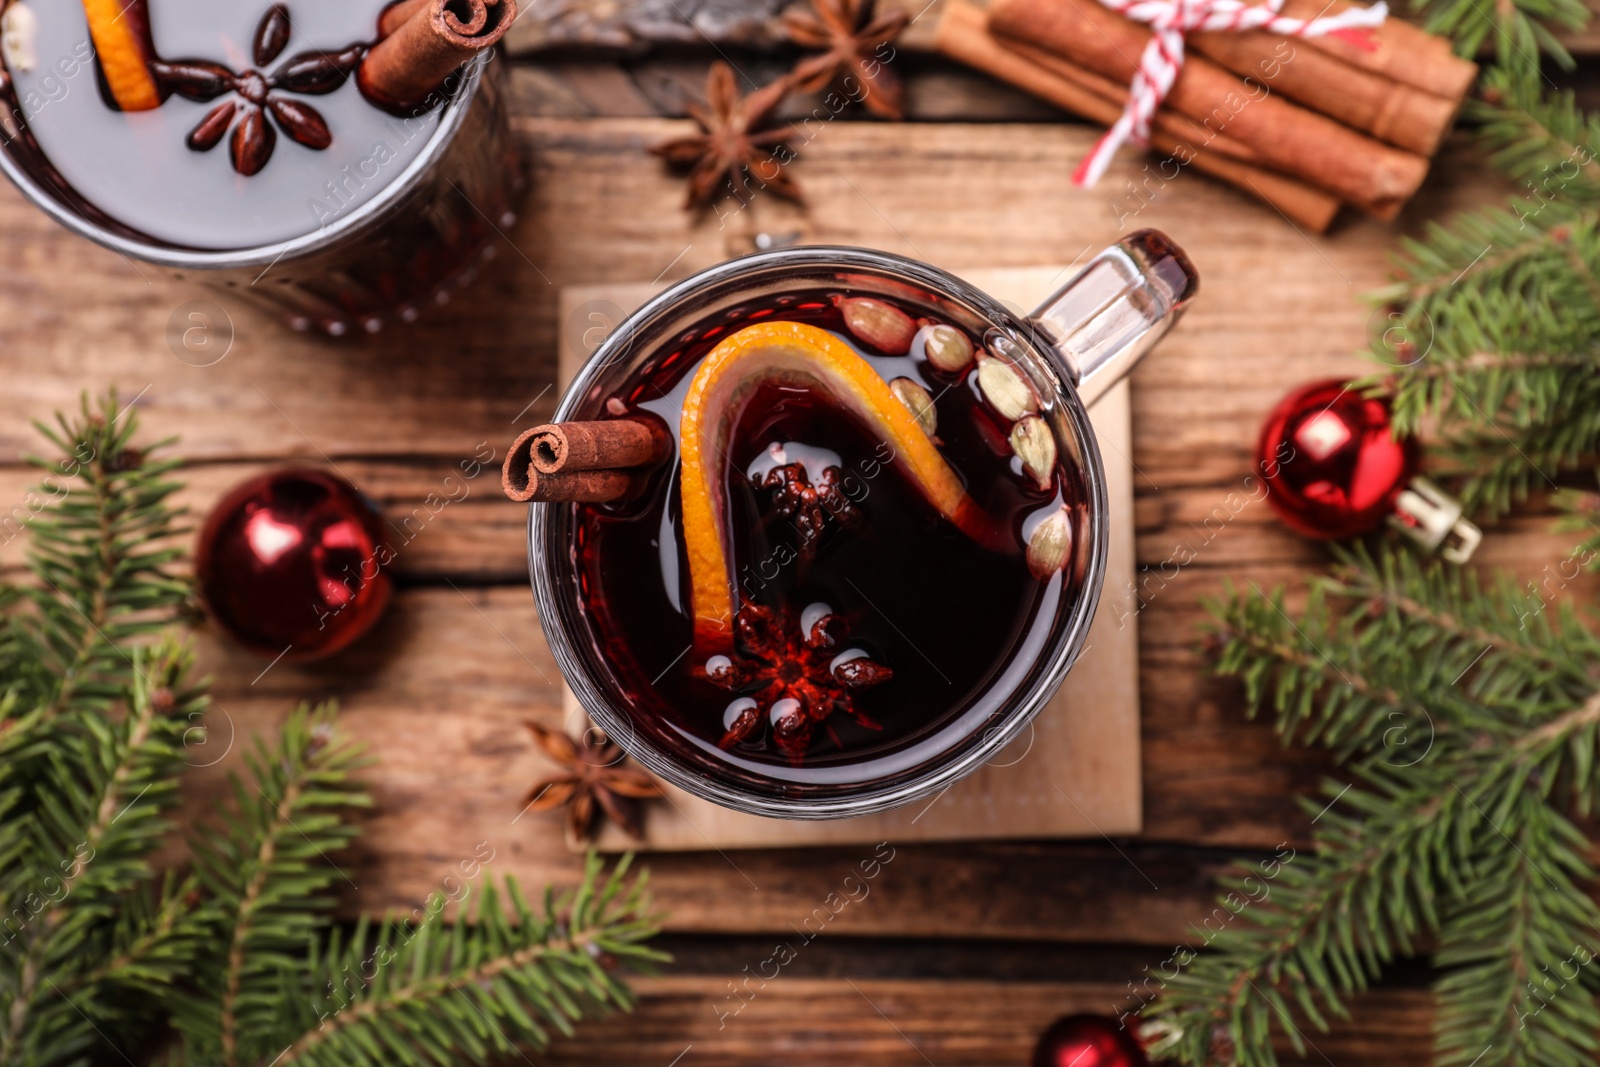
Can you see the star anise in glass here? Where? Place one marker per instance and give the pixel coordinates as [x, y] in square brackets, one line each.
[793, 673]
[809, 506]
[592, 782]
[734, 145]
[853, 42]
[258, 94]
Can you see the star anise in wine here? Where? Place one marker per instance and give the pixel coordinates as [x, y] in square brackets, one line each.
[792, 673]
[853, 43]
[809, 506]
[592, 782]
[259, 99]
[735, 145]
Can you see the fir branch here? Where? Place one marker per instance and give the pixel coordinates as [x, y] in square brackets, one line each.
[153, 944]
[1501, 314]
[1582, 508]
[1324, 926]
[1504, 645]
[96, 820]
[1519, 30]
[1466, 844]
[1524, 916]
[100, 553]
[268, 873]
[499, 981]
[96, 953]
[1543, 140]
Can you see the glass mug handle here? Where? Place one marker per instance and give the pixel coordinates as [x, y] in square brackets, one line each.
[1104, 320]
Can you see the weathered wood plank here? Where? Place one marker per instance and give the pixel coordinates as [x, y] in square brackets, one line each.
[884, 1022]
[555, 85]
[636, 26]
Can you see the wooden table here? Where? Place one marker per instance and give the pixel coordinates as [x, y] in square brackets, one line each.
[961, 953]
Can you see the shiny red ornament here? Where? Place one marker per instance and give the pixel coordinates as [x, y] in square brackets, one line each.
[1087, 1041]
[1331, 462]
[1333, 467]
[294, 562]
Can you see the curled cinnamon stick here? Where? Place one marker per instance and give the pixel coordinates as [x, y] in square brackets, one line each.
[587, 446]
[423, 42]
[392, 17]
[579, 487]
[587, 462]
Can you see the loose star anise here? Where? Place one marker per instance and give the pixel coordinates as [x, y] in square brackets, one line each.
[259, 94]
[593, 781]
[853, 43]
[733, 147]
[791, 672]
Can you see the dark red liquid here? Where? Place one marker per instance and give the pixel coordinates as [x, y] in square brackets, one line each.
[907, 588]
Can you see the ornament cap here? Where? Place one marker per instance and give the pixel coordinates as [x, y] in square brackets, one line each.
[1433, 519]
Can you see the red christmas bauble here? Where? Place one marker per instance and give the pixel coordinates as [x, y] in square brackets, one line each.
[1331, 462]
[1088, 1041]
[294, 562]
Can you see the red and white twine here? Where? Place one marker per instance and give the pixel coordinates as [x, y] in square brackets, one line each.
[1170, 20]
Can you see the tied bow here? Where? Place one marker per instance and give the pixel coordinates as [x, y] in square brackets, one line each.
[1170, 21]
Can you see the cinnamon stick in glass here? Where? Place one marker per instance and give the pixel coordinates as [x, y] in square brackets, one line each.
[1290, 139]
[962, 35]
[391, 17]
[1365, 100]
[585, 446]
[578, 487]
[424, 42]
[591, 462]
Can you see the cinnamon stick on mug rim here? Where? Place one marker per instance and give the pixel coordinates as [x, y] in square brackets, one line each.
[587, 462]
[587, 446]
[579, 487]
[423, 42]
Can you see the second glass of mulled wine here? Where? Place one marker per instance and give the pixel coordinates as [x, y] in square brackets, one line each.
[820, 530]
[344, 165]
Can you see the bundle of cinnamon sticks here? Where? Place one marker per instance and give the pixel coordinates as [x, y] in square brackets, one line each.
[1306, 123]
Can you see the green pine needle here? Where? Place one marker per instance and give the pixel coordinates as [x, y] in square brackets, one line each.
[1465, 718]
[103, 958]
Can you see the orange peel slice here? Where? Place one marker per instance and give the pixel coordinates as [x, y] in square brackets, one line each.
[120, 47]
[798, 354]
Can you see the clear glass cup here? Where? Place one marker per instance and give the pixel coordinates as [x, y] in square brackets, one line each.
[422, 235]
[1073, 347]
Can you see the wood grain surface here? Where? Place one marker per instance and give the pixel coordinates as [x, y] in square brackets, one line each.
[439, 691]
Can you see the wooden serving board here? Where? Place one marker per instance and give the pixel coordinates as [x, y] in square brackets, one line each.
[1073, 773]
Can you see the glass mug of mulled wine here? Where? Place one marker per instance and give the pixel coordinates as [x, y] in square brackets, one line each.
[343, 165]
[818, 531]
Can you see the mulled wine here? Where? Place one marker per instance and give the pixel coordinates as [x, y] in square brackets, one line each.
[181, 130]
[859, 542]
